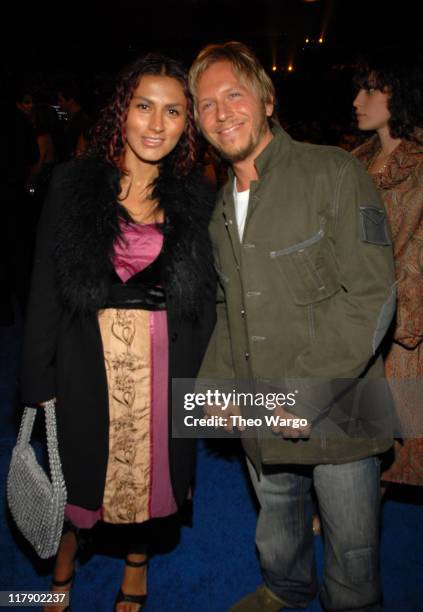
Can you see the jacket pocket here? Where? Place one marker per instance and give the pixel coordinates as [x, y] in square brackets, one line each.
[374, 226]
[309, 269]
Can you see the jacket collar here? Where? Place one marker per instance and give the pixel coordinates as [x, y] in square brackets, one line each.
[278, 148]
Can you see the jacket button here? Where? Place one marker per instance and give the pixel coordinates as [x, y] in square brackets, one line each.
[174, 336]
[243, 313]
[247, 356]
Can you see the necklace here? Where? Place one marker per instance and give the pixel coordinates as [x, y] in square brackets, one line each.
[374, 160]
[377, 158]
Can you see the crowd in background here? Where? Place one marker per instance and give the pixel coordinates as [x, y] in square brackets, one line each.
[49, 122]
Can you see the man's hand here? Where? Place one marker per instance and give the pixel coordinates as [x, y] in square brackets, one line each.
[289, 431]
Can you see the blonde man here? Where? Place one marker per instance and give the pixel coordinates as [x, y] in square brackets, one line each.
[306, 281]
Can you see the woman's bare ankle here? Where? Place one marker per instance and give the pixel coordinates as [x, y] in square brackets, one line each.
[65, 559]
[135, 578]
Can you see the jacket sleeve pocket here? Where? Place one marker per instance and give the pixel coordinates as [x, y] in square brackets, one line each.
[374, 226]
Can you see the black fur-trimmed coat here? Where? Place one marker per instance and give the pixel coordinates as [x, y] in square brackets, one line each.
[62, 354]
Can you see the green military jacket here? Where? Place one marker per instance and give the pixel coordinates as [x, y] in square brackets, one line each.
[309, 292]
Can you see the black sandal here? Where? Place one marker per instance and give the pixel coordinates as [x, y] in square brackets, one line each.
[125, 597]
[63, 583]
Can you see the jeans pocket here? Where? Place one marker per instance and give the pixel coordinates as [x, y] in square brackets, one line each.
[360, 564]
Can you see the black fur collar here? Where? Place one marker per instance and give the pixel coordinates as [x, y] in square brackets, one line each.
[89, 225]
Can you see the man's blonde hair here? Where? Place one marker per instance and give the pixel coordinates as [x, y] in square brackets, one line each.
[244, 63]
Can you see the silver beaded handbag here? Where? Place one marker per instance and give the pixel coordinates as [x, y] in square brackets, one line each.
[37, 502]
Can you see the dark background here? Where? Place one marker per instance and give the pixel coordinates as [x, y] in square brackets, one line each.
[44, 42]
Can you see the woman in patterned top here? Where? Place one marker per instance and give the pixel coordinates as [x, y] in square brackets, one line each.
[390, 103]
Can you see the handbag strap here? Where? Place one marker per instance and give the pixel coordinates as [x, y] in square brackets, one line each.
[27, 425]
[25, 431]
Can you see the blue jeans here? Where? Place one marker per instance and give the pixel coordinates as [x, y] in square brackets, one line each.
[349, 503]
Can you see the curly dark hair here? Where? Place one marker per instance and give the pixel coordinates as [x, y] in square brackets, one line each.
[400, 74]
[106, 140]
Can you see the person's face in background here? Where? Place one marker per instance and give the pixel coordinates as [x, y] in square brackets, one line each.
[231, 114]
[371, 108]
[26, 105]
[156, 119]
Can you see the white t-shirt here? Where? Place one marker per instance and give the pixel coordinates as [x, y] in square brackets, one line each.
[241, 208]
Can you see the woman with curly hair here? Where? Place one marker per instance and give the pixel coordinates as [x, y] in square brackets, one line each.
[390, 103]
[122, 301]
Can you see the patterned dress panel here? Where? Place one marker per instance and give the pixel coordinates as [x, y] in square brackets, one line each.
[127, 353]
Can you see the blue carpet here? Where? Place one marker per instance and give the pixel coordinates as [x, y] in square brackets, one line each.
[214, 563]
